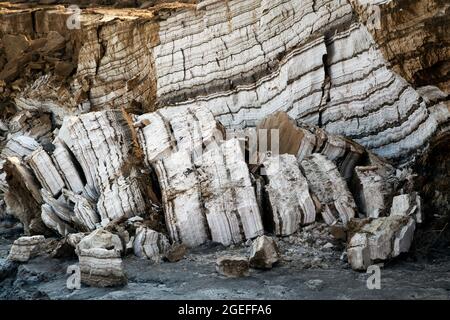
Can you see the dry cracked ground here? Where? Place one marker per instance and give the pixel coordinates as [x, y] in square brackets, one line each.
[216, 149]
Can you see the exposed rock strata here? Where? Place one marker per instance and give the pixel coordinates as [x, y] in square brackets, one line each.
[25, 248]
[140, 111]
[332, 71]
[209, 198]
[264, 253]
[100, 259]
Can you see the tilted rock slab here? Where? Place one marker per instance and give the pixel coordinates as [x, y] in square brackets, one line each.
[103, 145]
[330, 188]
[188, 129]
[289, 197]
[20, 147]
[303, 140]
[23, 197]
[150, 244]
[65, 164]
[372, 191]
[45, 170]
[210, 197]
[408, 205]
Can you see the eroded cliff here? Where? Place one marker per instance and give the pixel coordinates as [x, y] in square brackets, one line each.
[152, 124]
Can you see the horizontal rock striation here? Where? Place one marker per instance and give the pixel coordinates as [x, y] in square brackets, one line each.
[25, 248]
[322, 62]
[246, 62]
[156, 129]
[100, 259]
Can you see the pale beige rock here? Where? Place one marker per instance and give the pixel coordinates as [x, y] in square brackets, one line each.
[103, 145]
[26, 248]
[372, 191]
[408, 205]
[52, 221]
[358, 252]
[84, 213]
[381, 239]
[212, 195]
[67, 168]
[20, 147]
[177, 130]
[100, 259]
[45, 170]
[150, 244]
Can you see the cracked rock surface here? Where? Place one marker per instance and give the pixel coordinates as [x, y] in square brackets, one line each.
[161, 139]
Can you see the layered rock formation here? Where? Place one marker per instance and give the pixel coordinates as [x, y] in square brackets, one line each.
[188, 122]
[100, 259]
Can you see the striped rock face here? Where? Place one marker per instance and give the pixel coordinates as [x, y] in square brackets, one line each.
[345, 66]
[196, 121]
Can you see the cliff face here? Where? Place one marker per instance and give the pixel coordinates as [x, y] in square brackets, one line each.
[318, 61]
[110, 113]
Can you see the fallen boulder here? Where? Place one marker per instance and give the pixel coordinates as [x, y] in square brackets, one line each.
[264, 253]
[26, 248]
[408, 205]
[330, 188]
[176, 252]
[100, 259]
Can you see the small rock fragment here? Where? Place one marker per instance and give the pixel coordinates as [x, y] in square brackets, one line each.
[100, 260]
[264, 253]
[408, 205]
[26, 248]
[232, 266]
[328, 245]
[381, 239]
[338, 232]
[314, 284]
[176, 252]
[74, 238]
